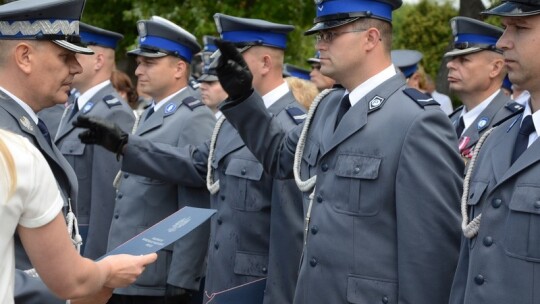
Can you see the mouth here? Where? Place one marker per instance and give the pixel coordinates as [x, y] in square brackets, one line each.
[452, 79]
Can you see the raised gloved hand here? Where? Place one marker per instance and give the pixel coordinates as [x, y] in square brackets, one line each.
[101, 132]
[233, 72]
[177, 295]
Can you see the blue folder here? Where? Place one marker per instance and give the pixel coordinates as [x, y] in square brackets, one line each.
[165, 232]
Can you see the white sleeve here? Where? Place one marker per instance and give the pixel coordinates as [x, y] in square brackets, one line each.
[36, 187]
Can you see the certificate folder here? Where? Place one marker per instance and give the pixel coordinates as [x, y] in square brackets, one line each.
[249, 293]
[165, 232]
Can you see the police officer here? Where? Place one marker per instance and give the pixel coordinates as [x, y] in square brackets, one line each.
[381, 223]
[175, 119]
[408, 63]
[94, 166]
[38, 43]
[500, 255]
[257, 230]
[212, 93]
[321, 81]
[475, 74]
[290, 70]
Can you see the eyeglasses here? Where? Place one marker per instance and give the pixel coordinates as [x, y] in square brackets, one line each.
[329, 36]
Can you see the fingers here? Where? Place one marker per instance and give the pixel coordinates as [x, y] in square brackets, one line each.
[88, 137]
[82, 122]
[229, 52]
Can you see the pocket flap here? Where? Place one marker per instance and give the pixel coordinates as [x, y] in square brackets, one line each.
[475, 192]
[361, 290]
[526, 199]
[311, 151]
[358, 166]
[244, 168]
[252, 264]
[72, 147]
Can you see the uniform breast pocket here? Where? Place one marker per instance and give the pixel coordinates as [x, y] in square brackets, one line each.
[357, 193]
[311, 152]
[73, 150]
[522, 230]
[244, 185]
[147, 180]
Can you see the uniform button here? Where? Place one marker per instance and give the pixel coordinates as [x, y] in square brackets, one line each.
[219, 221]
[264, 270]
[126, 175]
[216, 245]
[319, 198]
[120, 195]
[479, 279]
[537, 204]
[243, 172]
[472, 195]
[496, 202]
[384, 300]
[313, 262]
[314, 230]
[356, 170]
[324, 167]
[116, 216]
[222, 197]
[488, 241]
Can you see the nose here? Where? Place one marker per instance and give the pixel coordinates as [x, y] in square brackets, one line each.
[138, 70]
[504, 42]
[75, 66]
[451, 64]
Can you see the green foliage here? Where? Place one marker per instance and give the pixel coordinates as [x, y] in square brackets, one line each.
[196, 16]
[424, 27]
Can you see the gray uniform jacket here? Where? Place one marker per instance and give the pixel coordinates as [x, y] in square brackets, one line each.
[142, 201]
[15, 119]
[501, 264]
[384, 223]
[95, 167]
[257, 231]
[499, 108]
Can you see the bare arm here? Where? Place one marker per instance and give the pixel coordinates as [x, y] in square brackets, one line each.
[68, 274]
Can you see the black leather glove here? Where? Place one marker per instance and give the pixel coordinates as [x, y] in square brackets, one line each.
[101, 132]
[177, 295]
[233, 72]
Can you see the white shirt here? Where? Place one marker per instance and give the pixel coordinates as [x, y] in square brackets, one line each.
[160, 104]
[367, 86]
[470, 116]
[522, 98]
[86, 96]
[35, 202]
[271, 97]
[536, 121]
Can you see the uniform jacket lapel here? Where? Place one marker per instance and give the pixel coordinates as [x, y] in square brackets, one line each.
[157, 118]
[357, 116]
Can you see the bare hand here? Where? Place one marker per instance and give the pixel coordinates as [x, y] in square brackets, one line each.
[102, 297]
[125, 268]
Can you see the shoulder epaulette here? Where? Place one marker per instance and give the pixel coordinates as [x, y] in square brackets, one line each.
[111, 101]
[420, 98]
[297, 114]
[192, 102]
[514, 107]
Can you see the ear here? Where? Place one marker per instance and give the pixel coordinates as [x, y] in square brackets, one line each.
[99, 62]
[497, 68]
[24, 54]
[180, 69]
[266, 63]
[373, 38]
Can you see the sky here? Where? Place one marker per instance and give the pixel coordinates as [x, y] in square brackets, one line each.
[454, 2]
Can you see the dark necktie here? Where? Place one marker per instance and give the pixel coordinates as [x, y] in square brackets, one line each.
[344, 106]
[522, 140]
[74, 110]
[460, 127]
[43, 128]
[150, 112]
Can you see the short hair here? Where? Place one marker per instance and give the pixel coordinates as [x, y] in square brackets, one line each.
[384, 27]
